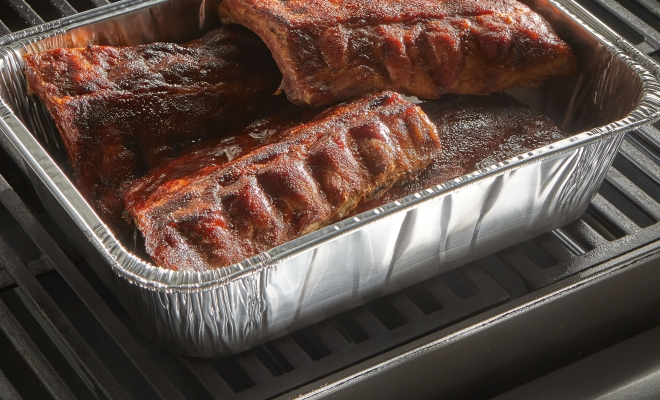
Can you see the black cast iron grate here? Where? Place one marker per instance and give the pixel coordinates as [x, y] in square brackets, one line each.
[63, 335]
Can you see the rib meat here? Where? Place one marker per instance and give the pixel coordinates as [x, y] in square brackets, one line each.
[122, 110]
[475, 132]
[330, 50]
[209, 209]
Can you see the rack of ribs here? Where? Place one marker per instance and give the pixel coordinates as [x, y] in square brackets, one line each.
[123, 110]
[475, 132]
[208, 209]
[331, 50]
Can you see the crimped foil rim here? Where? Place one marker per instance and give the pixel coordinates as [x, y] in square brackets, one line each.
[149, 276]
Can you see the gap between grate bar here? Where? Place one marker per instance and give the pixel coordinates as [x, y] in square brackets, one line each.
[32, 355]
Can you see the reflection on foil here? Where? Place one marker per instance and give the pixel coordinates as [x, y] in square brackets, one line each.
[232, 152]
[262, 134]
[202, 14]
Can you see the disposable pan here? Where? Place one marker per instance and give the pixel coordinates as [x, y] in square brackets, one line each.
[229, 310]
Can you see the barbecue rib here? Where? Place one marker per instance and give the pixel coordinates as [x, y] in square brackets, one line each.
[330, 50]
[208, 210]
[122, 110]
[475, 132]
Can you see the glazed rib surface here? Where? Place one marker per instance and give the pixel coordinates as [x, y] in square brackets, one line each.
[207, 210]
[122, 110]
[330, 50]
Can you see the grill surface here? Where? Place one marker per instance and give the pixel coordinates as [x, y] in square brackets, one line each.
[63, 335]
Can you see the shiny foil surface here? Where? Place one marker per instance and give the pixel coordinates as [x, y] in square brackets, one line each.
[377, 252]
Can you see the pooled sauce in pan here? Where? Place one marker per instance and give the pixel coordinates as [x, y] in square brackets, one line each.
[475, 132]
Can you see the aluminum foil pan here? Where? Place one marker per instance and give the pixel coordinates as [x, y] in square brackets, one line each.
[356, 260]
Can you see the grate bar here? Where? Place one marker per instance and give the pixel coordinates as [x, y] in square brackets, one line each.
[598, 248]
[561, 245]
[645, 144]
[504, 275]
[209, 378]
[331, 337]
[651, 36]
[3, 29]
[255, 369]
[641, 159]
[618, 219]
[651, 134]
[295, 355]
[532, 274]
[585, 232]
[99, 3]
[32, 356]
[370, 324]
[488, 294]
[53, 321]
[7, 390]
[63, 7]
[26, 12]
[568, 242]
[404, 305]
[5, 278]
[635, 194]
[651, 6]
[321, 349]
[157, 379]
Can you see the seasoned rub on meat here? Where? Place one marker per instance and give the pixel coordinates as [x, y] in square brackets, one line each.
[475, 132]
[330, 50]
[303, 178]
[122, 110]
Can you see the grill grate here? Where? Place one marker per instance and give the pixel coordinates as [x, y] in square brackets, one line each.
[63, 335]
[638, 21]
